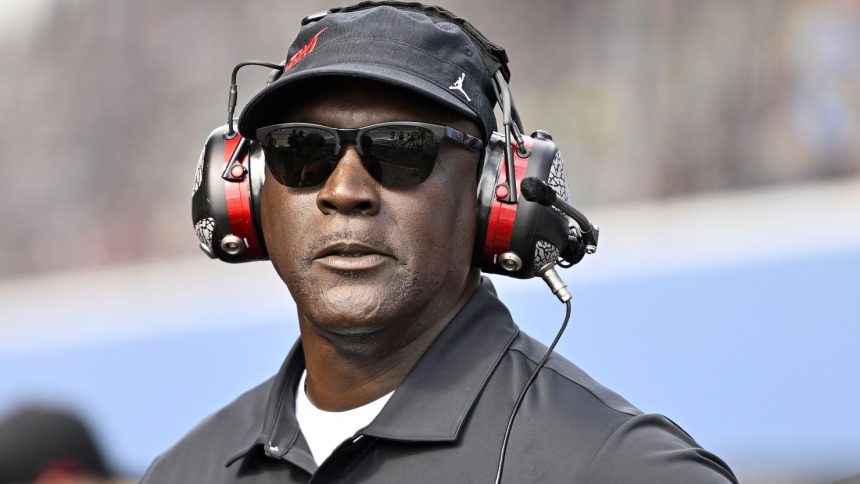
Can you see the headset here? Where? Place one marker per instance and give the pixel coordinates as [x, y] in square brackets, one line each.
[525, 226]
[513, 238]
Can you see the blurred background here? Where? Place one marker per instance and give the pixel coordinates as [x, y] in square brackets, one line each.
[716, 143]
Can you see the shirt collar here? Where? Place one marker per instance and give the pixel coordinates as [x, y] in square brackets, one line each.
[429, 406]
[438, 394]
[277, 434]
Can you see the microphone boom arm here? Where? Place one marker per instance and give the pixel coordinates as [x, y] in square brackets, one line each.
[535, 190]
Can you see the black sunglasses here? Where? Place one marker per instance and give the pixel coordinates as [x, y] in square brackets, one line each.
[396, 154]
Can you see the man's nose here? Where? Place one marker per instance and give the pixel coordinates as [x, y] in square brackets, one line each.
[349, 189]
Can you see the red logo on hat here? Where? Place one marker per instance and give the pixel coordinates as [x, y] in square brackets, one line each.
[307, 49]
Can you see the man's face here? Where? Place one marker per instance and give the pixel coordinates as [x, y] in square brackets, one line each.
[360, 258]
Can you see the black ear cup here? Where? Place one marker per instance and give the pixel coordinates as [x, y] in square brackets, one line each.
[225, 202]
[518, 239]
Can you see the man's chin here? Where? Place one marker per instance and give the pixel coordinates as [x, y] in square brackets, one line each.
[358, 309]
[350, 333]
[363, 311]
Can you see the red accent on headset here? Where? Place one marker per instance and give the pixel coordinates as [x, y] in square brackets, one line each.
[502, 215]
[307, 49]
[238, 196]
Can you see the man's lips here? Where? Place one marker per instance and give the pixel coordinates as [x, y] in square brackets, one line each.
[351, 256]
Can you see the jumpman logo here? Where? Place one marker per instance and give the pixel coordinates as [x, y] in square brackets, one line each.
[458, 85]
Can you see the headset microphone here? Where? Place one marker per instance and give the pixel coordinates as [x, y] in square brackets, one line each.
[535, 190]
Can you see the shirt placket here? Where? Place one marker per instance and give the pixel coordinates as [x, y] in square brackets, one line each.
[335, 469]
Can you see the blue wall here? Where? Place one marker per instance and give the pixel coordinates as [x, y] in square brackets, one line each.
[757, 360]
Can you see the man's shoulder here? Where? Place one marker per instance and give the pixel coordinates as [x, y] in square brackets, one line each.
[571, 393]
[615, 441]
[211, 443]
[565, 376]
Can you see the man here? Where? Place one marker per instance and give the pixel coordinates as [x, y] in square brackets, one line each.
[408, 365]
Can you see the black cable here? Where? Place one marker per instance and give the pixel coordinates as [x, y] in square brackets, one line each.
[525, 389]
[504, 98]
[231, 99]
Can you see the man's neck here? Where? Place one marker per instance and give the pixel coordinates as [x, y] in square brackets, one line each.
[347, 372]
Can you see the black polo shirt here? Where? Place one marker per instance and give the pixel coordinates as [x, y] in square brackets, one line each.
[445, 423]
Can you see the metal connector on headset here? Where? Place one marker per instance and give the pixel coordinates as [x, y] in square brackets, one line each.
[590, 239]
[553, 280]
[522, 150]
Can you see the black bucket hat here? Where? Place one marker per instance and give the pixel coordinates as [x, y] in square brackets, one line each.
[404, 47]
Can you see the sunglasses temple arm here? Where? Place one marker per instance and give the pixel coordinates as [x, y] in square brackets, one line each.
[463, 139]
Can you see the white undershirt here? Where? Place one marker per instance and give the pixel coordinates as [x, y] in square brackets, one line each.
[324, 430]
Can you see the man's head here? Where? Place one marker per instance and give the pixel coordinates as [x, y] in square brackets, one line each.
[359, 257]
[363, 258]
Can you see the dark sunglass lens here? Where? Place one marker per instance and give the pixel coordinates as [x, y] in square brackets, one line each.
[399, 156]
[300, 156]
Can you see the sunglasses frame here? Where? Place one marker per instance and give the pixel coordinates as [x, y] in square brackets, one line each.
[352, 135]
